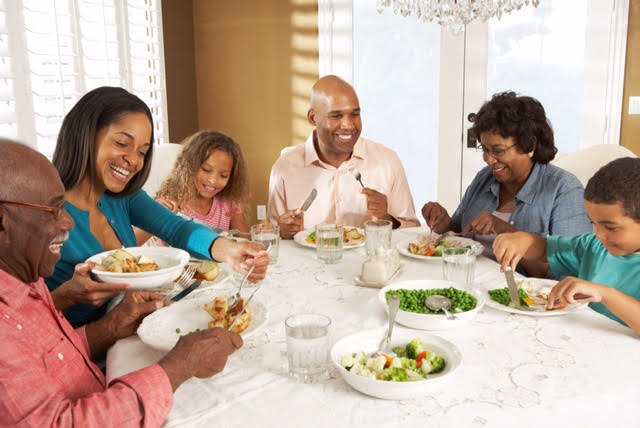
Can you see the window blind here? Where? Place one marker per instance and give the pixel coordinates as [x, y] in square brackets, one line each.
[54, 51]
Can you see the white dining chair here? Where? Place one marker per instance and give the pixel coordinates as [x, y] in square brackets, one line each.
[164, 157]
[584, 163]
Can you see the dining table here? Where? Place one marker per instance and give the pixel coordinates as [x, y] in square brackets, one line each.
[579, 369]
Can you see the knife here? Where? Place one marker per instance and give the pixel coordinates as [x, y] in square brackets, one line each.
[513, 288]
[307, 203]
[186, 291]
[246, 305]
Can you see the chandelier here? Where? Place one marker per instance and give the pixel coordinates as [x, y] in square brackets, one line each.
[453, 14]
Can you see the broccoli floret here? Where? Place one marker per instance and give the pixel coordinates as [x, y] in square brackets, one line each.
[414, 348]
[394, 374]
[437, 364]
[398, 375]
[400, 351]
[408, 363]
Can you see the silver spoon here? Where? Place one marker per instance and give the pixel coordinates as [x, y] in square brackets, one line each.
[436, 302]
[357, 175]
[394, 305]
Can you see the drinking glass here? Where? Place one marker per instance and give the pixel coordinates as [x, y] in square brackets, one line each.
[308, 346]
[458, 265]
[377, 235]
[267, 233]
[329, 239]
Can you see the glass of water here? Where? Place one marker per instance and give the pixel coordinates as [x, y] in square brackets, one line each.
[329, 241]
[458, 265]
[378, 235]
[267, 233]
[308, 346]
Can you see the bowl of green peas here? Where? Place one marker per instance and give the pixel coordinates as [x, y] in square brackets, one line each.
[413, 313]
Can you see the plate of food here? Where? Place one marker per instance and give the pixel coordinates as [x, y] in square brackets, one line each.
[208, 272]
[140, 267]
[162, 329]
[353, 237]
[414, 365]
[413, 312]
[423, 246]
[533, 298]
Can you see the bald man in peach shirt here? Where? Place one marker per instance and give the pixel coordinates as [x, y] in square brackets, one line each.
[326, 162]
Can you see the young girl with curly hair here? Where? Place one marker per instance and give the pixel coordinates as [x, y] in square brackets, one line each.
[209, 182]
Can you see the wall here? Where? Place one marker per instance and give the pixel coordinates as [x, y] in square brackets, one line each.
[630, 126]
[255, 62]
[179, 57]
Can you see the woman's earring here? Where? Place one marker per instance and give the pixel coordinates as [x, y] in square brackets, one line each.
[530, 154]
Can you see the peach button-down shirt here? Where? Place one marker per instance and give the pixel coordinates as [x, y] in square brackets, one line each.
[298, 170]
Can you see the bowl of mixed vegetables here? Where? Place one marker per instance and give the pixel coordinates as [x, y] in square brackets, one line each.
[465, 303]
[415, 364]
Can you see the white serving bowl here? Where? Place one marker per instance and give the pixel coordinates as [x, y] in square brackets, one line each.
[170, 260]
[367, 341]
[431, 321]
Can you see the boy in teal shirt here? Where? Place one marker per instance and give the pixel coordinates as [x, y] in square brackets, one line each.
[601, 267]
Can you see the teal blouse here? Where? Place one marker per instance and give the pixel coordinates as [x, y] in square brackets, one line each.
[136, 210]
[585, 257]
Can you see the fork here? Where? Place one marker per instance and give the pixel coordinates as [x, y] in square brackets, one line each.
[235, 299]
[183, 281]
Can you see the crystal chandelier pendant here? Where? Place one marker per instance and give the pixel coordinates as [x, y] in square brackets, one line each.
[453, 14]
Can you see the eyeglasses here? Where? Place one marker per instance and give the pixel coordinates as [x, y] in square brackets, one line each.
[496, 154]
[56, 211]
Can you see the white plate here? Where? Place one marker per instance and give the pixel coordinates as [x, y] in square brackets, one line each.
[539, 312]
[367, 341]
[300, 238]
[358, 281]
[158, 330]
[223, 274]
[170, 260]
[403, 247]
[431, 321]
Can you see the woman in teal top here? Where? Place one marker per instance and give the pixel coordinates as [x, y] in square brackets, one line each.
[103, 155]
[602, 267]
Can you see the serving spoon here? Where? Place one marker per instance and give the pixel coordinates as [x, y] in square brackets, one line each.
[394, 305]
[436, 302]
[233, 301]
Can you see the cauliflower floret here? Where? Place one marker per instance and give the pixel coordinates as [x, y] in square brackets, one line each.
[376, 364]
[396, 362]
[349, 361]
[426, 367]
[361, 370]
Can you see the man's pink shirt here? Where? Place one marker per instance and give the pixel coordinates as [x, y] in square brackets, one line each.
[47, 377]
[339, 200]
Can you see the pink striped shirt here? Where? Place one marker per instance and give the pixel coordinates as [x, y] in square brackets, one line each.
[219, 215]
[47, 377]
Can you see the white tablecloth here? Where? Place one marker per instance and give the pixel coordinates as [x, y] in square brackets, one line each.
[574, 370]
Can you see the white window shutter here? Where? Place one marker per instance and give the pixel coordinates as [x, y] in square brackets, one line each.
[54, 51]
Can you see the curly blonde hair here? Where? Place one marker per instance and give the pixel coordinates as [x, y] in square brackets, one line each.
[179, 186]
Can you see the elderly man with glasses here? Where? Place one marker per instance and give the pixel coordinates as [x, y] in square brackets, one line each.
[518, 189]
[47, 377]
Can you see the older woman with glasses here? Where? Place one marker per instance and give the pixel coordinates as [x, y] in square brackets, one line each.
[518, 189]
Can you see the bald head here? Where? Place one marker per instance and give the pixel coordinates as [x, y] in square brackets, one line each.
[329, 87]
[21, 170]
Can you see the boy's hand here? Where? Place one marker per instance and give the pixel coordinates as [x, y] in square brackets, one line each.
[510, 248]
[574, 290]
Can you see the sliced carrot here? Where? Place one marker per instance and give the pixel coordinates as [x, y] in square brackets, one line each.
[389, 360]
[421, 357]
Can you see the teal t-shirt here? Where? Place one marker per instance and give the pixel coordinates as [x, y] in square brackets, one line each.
[585, 257]
[122, 213]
